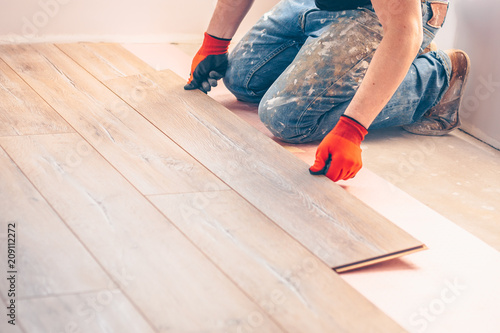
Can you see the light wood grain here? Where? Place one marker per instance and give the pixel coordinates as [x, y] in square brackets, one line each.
[316, 304]
[102, 311]
[22, 111]
[152, 162]
[106, 60]
[330, 222]
[43, 241]
[212, 260]
[340, 229]
[287, 281]
[177, 288]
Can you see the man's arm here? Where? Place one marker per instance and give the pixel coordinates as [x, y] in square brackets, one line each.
[210, 62]
[227, 17]
[339, 154]
[402, 24]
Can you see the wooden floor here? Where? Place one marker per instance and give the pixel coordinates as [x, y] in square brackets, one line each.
[141, 207]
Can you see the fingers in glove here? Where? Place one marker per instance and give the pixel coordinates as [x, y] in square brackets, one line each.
[347, 172]
[335, 171]
[320, 166]
[205, 72]
[316, 173]
[215, 75]
[212, 82]
[190, 86]
[353, 172]
[205, 87]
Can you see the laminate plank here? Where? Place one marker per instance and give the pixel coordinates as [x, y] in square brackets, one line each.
[291, 284]
[261, 276]
[107, 60]
[176, 287]
[347, 236]
[22, 111]
[103, 311]
[45, 248]
[340, 229]
[144, 155]
[381, 240]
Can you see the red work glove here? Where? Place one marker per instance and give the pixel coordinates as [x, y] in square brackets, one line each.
[209, 64]
[339, 154]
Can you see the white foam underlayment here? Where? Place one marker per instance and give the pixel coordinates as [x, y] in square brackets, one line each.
[451, 287]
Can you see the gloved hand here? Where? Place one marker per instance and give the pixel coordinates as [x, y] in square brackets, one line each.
[209, 64]
[339, 154]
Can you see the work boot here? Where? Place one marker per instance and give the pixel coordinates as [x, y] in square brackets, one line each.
[444, 117]
[431, 47]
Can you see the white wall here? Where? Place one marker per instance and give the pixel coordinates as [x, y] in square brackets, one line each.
[110, 20]
[478, 33]
[474, 27]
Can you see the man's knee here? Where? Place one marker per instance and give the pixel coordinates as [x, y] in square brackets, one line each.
[277, 120]
[235, 81]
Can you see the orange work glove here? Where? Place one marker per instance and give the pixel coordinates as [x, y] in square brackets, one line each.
[339, 154]
[209, 64]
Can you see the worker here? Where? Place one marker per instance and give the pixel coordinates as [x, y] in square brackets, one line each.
[329, 70]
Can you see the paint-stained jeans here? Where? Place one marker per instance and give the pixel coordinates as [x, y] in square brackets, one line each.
[303, 66]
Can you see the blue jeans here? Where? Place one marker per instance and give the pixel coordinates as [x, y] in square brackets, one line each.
[304, 65]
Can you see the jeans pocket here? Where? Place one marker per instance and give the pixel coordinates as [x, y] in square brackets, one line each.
[369, 20]
[433, 17]
[315, 21]
[439, 10]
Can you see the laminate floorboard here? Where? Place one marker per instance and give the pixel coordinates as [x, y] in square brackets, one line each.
[197, 222]
[22, 111]
[102, 59]
[42, 240]
[176, 287]
[289, 283]
[333, 224]
[152, 162]
[297, 313]
[102, 311]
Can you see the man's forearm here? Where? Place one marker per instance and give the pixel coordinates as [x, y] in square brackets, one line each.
[387, 70]
[227, 17]
[391, 61]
